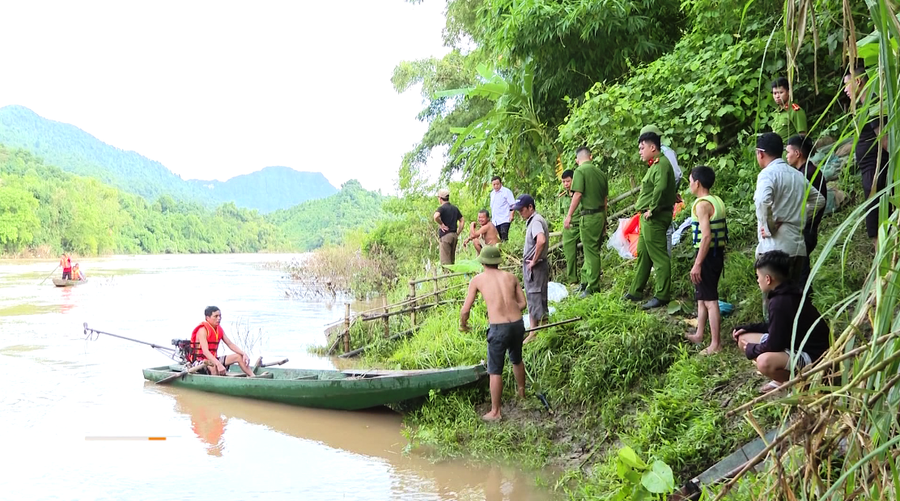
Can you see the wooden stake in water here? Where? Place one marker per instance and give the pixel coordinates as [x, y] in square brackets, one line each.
[412, 295]
[346, 327]
[387, 320]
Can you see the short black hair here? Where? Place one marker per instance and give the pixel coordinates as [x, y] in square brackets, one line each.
[704, 175]
[485, 212]
[496, 178]
[650, 137]
[781, 82]
[802, 143]
[776, 263]
[770, 143]
[859, 68]
[210, 310]
[568, 173]
[582, 148]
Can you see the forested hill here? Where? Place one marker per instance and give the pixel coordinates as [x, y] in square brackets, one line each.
[316, 223]
[46, 210]
[270, 189]
[74, 150]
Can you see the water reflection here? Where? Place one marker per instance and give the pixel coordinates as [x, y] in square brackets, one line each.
[373, 434]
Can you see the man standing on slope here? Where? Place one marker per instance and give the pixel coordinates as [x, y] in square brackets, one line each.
[449, 219]
[503, 297]
[669, 153]
[779, 200]
[535, 267]
[502, 200]
[591, 190]
[657, 200]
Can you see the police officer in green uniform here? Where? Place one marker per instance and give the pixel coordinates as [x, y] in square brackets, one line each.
[571, 236]
[590, 187]
[656, 201]
[789, 118]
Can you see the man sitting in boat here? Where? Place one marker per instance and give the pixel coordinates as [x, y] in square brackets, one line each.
[77, 274]
[205, 346]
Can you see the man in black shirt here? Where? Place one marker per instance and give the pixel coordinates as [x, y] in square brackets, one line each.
[799, 149]
[449, 219]
[871, 153]
[773, 345]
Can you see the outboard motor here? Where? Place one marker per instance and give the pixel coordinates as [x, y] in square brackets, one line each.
[182, 349]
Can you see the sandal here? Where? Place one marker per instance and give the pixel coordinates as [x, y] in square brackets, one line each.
[770, 386]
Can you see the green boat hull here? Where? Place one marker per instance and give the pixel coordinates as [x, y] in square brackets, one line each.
[59, 282]
[326, 389]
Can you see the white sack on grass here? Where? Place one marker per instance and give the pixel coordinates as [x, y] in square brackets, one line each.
[556, 291]
[617, 240]
[676, 236]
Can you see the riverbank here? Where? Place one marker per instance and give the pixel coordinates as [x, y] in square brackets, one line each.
[620, 377]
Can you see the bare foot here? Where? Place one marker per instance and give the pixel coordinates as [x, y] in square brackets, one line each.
[491, 416]
[695, 338]
[711, 349]
[530, 338]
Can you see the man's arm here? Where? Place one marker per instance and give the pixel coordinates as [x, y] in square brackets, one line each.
[704, 212]
[467, 305]
[800, 121]
[233, 347]
[763, 199]
[539, 240]
[660, 184]
[520, 296]
[781, 325]
[576, 199]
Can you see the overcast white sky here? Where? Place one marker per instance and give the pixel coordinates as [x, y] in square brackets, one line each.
[213, 89]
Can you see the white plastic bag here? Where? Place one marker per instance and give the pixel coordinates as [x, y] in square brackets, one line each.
[556, 291]
[618, 242]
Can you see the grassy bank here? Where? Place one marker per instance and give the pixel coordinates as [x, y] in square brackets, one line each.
[619, 377]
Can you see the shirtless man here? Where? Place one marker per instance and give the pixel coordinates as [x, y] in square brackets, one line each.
[487, 234]
[505, 301]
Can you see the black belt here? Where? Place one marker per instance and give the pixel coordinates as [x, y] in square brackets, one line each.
[588, 212]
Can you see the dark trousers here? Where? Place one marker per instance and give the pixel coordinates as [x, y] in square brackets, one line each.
[503, 230]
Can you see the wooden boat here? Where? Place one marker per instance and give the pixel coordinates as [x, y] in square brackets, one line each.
[59, 282]
[325, 389]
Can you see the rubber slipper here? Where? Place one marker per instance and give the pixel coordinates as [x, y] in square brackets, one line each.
[770, 386]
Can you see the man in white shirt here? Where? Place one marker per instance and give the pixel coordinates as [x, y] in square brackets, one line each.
[669, 153]
[782, 205]
[502, 200]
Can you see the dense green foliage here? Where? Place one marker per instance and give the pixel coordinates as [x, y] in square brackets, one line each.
[326, 221]
[42, 207]
[76, 151]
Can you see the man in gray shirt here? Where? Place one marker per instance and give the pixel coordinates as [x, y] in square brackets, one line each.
[535, 267]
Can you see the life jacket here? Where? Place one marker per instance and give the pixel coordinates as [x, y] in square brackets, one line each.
[213, 337]
[717, 224]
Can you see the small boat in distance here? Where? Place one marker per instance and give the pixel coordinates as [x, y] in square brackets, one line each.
[325, 389]
[60, 282]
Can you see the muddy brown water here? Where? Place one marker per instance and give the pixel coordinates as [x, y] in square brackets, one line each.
[59, 389]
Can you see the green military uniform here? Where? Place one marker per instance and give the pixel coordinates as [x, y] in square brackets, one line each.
[590, 180]
[789, 121]
[570, 238]
[657, 196]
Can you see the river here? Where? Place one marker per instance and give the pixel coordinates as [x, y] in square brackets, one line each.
[60, 389]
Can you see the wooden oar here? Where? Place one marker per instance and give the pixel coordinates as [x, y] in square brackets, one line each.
[270, 364]
[50, 275]
[184, 373]
[257, 364]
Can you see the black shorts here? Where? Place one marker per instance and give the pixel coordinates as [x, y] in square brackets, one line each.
[503, 338]
[503, 230]
[868, 180]
[710, 273]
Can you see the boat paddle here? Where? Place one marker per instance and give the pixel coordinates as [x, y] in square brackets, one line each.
[50, 275]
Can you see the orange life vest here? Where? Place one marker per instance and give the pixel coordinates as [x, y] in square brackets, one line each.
[213, 336]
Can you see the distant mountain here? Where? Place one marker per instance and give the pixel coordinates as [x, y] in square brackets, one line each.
[270, 189]
[326, 221]
[78, 152]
